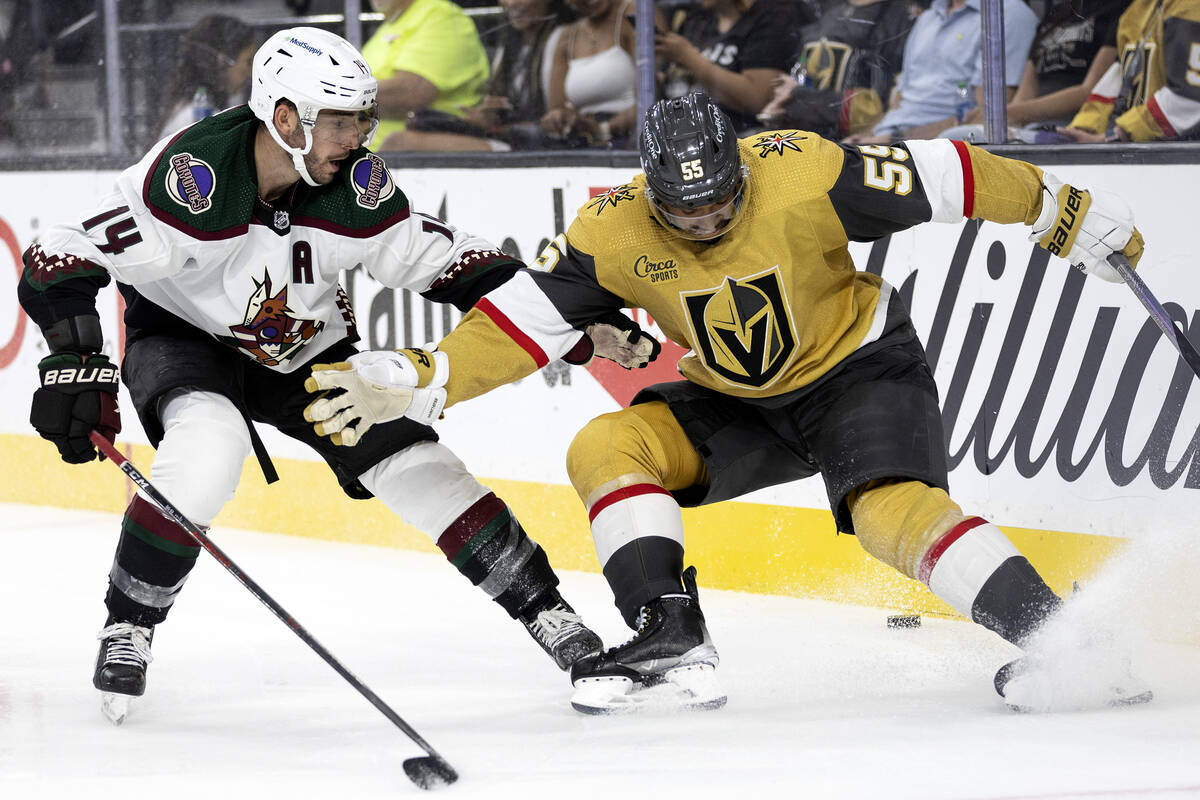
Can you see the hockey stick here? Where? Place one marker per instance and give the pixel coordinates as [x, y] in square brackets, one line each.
[430, 771]
[1159, 314]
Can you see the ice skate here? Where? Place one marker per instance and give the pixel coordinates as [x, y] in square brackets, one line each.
[560, 631]
[1084, 680]
[121, 666]
[669, 664]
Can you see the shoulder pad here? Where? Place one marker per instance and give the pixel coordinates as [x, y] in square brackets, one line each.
[612, 216]
[199, 183]
[363, 200]
[795, 165]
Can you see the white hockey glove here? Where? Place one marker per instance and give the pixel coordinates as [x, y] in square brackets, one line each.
[620, 339]
[376, 386]
[1086, 227]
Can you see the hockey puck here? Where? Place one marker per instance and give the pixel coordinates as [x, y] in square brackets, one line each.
[904, 621]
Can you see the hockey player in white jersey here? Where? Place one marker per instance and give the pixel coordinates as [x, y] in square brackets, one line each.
[227, 241]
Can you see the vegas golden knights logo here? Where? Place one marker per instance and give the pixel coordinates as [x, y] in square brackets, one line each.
[742, 329]
[825, 63]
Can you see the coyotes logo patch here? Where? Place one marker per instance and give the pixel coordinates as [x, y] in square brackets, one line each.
[742, 329]
[269, 332]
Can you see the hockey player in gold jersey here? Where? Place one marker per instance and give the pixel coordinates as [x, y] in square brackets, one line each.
[1152, 92]
[800, 365]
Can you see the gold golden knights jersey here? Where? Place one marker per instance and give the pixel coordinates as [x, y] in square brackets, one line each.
[772, 305]
[1153, 90]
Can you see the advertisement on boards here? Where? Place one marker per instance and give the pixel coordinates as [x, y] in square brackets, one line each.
[1064, 407]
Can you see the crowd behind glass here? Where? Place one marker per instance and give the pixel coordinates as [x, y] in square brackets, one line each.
[561, 74]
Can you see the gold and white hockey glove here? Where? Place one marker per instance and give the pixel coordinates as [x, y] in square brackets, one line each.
[376, 386]
[1086, 227]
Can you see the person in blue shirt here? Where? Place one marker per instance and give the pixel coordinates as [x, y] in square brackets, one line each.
[945, 49]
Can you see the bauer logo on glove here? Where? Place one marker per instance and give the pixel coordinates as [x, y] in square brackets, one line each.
[1086, 227]
[1071, 209]
[78, 395]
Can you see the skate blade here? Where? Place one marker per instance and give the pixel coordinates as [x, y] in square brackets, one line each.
[1044, 702]
[115, 706]
[688, 688]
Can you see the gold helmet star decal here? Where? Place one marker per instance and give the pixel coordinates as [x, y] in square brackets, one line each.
[611, 197]
[776, 142]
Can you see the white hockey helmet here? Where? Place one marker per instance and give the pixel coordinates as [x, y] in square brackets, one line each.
[315, 70]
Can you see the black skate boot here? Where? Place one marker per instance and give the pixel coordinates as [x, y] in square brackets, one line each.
[121, 666]
[559, 630]
[670, 663]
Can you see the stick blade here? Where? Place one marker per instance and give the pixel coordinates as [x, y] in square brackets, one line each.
[429, 772]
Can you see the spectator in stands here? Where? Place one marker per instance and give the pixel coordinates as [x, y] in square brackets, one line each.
[1071, 50]
[943, 54]
[429, 62]
[734, 50]
[593, 79]
[844, 72]
[510, 112]
[1153, 91]
[213, 62]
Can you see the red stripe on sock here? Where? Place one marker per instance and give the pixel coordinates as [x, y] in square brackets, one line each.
[964, 159]
[943, 544]
[624, 493]
[516, 334]
[469, 523]
[146, 515]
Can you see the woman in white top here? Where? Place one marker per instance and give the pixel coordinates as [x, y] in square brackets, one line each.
[593, 77]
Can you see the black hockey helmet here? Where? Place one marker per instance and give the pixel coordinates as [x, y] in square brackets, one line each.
[691, 161]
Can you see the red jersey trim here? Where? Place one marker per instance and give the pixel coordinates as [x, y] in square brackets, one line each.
[964, 159]
[516, 334]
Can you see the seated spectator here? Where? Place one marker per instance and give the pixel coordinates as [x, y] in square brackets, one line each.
[1152, 92]
[593, 79]
[1068, 57]
[429, 61]
[508, 117]
[734, 50]
[845, 70]
[944, 52]
[214, 59]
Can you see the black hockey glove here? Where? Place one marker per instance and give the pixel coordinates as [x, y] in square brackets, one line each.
[619, 339]
[78, 396]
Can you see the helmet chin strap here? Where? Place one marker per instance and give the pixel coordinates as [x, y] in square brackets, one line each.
[297, 155]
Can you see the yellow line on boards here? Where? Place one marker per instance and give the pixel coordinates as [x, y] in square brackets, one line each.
[747, 547]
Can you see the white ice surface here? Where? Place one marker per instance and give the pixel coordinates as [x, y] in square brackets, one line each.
[824, 700]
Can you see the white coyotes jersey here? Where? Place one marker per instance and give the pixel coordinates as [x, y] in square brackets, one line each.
[185, 229]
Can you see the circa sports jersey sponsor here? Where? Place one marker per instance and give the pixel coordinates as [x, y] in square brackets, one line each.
[191, 182]
[269, 332]
[742, 329]
[371, 181]
[777, 142]
[655, 270]
[610, 197]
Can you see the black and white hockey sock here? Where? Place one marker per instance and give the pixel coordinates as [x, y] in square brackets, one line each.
[642, 570]
[978, 571]
[490, 548]
[153, 559]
